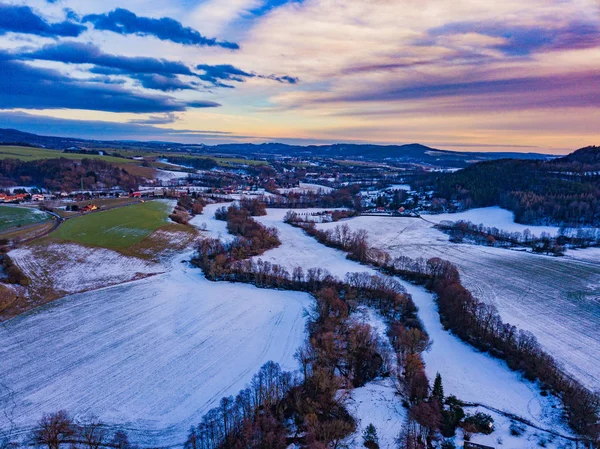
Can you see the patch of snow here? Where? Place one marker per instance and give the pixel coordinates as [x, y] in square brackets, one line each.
[377, 403]
[170, 175]
[207, 222]
[307, 187]
[71, 268]
[467, 373]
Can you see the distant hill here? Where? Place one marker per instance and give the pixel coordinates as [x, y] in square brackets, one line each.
[588, 155]
[411, 153]
[560, 191]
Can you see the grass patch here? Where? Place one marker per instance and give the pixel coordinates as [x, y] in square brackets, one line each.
[117, 228]
[14, 217]
[33, 154]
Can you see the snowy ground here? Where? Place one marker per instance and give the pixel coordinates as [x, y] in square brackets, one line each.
[470, 375]
[153, 355]
[492, 217]
[304, 187]
[206, 221]
[476, 377]
[70, 268]
[170, 175]
[556, 298]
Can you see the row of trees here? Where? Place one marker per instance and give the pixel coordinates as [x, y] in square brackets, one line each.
[545, 243]
[345, 197]
[58, 429]
[460, 231]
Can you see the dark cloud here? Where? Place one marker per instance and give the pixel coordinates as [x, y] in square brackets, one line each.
[283, 79]
[523, 40]
[151, 73]
[29, 87]
[166, 83]
[269, 5]
[22, 19]
[125, 22]
[216, 74]
[79, 53]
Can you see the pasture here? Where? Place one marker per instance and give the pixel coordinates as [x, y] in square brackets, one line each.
[14, 217]
[116, 228]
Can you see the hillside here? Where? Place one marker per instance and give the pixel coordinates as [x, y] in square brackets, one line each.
[413, 153]
[560, 191]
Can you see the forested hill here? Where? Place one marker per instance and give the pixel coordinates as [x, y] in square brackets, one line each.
[561, 191]
[65, 174]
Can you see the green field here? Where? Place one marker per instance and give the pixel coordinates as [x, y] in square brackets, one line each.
[34, 154]
[116, 228]
[13, 217]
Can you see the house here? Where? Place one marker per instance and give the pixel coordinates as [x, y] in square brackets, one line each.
[469, 445]
[37, 197]
[89, 208]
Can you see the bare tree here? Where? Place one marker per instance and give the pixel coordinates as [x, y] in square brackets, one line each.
[54, 429]
[93, 433]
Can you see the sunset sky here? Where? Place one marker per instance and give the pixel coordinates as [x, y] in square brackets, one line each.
[517, 75]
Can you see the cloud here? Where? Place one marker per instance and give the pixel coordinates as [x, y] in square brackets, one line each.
[123, 21]
[151, 73]
[28, 87]
[22, 19]
[529, 92]
[97, 129]
[215, 74]
[520, 40]
[163, 119]
[72, 52]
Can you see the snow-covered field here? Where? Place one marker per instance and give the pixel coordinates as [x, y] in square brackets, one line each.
[153, 355]
[492, 217]
[297, 249]
[557, 299]
[70, 268]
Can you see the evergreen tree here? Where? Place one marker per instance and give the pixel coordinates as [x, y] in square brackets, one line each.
[438, 389]
[370, 438]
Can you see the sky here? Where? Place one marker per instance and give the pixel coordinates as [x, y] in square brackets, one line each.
[467, 75]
